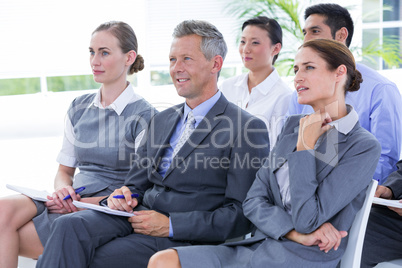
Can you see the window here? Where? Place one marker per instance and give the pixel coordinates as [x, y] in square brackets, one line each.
[163, 16]
[70, 83]
[45, 43]
[160, 77]
[19, 86]
[382, 22]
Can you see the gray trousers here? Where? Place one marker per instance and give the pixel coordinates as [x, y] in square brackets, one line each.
[94, 239]
[383, 240]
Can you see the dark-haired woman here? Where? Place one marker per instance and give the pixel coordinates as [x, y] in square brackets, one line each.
[304, 199]
[261, 91]
[102, 133]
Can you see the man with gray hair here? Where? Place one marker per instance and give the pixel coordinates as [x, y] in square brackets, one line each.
[202, 157]
[212, 42]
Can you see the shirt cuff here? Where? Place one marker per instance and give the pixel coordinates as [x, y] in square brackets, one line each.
[170, 228]
[66, 160]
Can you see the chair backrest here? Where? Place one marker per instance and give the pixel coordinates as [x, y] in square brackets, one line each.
[353, 252]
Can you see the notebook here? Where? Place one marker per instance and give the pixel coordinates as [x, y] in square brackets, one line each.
[32, 193]
[106, 210]
[387, 202]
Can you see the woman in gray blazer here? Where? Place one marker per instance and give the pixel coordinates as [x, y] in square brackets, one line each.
[305, 197]
[102, 132]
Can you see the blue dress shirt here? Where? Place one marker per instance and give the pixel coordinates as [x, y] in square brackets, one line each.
[379, 106]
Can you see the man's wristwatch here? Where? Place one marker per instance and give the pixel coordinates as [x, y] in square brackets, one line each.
[103, 202]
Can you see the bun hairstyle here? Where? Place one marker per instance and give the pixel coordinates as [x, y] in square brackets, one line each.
[335, 54]
[355, 82]
[127, 40]
[137, 66]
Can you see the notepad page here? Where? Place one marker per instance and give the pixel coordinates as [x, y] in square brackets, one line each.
[387, 202]
[106, 210]
[32, 193]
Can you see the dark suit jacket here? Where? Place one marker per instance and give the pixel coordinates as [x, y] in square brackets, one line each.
[326, 185]
[394, 181]
[208, 179]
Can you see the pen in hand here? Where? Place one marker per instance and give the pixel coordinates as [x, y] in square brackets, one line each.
[120, 196]
[79, 190]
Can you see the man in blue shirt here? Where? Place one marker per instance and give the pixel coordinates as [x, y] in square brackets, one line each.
[191, 176]
[378, 102]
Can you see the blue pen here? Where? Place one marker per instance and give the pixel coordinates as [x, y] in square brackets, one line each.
[120, 196]
[79, 190]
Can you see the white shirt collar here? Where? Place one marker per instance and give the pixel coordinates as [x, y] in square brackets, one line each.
[126, 97]
[346, 123]
[265, 86]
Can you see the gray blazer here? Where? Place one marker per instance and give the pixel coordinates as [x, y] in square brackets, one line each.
[326, 185]
[208, 179]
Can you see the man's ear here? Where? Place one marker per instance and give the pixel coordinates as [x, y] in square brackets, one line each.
[218, 63]
[341, 35]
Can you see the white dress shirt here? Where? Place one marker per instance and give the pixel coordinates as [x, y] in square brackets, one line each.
[268, 101]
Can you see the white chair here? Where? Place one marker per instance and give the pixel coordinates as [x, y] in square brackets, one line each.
[353, 252]
[26, 262]
[390, 264]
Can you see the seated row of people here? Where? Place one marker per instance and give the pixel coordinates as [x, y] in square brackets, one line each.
[196, 167]
[304, 206]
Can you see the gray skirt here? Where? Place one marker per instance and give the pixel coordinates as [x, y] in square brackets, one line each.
[43, 219]
[216, 256]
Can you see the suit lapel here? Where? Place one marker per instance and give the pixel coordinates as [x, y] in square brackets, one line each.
[209, 122]
[277, 159]
[162, 140]
[286, 146]
[327, 153]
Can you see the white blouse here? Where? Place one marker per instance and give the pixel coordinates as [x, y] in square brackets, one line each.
[269, 100]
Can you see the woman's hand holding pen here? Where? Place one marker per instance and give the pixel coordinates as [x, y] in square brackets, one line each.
[58, 204]
[125, 204]
[311, 127]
